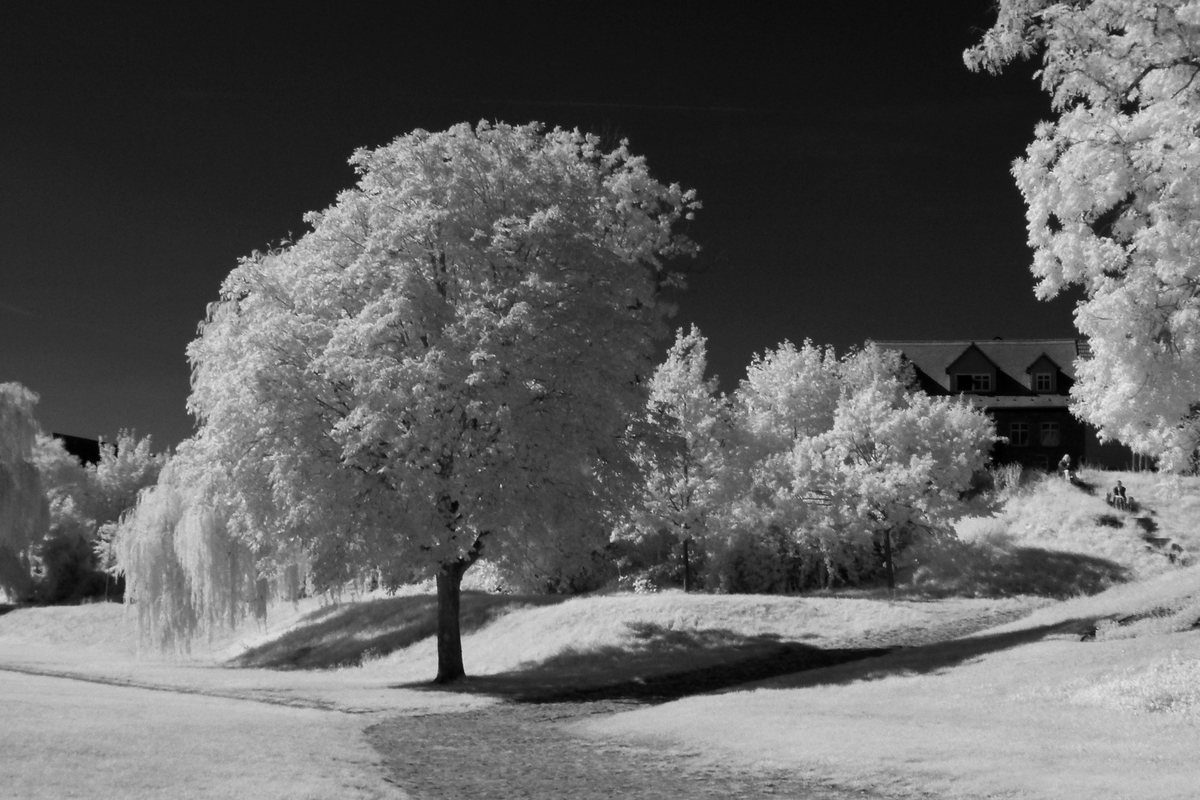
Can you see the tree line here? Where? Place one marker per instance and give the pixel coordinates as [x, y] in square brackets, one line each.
[59, 516]
[815, 472]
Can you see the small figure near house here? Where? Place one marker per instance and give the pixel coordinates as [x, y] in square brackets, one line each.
[1064, 466]
[1118, 498]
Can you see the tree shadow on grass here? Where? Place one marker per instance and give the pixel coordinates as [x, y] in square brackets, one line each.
[343, 635]
[985, 571]
[934, 658]
[656, 664]
[722, 661]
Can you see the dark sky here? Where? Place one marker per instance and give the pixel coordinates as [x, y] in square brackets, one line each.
[854, 174]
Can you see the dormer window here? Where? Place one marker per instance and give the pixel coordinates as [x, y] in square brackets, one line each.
[1043, 381]
[973, 382]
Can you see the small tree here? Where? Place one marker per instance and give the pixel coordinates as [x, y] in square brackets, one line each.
[1112, 187]
[789, 393]
[24, 512]
[894, 459]
[448, 361]
[682, 459]
[841, 454]
[183, 565]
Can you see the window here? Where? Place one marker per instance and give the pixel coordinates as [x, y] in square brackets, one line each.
[1043, 382]
[1050, 434]
[977, 382]
[1018, 434]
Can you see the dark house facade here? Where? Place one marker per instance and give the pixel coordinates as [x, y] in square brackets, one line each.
[86, 450]
[1024, 385]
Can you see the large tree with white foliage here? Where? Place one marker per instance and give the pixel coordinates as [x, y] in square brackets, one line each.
[893, 460]
[447, 362]
[1113, 193]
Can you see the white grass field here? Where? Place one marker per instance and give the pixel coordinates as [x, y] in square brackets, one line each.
[67, 738]
[1025, 709]
[1049, 719]
[967, 708]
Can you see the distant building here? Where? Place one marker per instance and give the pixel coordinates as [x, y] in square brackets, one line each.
[1024, 385]
[86, 450]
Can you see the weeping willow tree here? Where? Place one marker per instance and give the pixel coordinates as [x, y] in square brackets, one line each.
[24, 511]
[187, 572]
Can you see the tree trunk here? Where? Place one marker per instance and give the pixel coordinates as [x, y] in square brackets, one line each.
[687, 572]
[449, 639]
[887, 560]
[449, 636]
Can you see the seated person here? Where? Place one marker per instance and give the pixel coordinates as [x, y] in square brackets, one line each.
[1064, 466]
[1119, 498]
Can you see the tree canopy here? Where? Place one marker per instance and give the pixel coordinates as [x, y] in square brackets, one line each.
[1112, 187]
[811, 471]
[448, 361]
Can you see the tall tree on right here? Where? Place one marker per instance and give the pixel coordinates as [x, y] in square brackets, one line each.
[1112, 187]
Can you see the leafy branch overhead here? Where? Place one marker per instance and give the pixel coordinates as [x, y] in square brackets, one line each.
[1113, 207]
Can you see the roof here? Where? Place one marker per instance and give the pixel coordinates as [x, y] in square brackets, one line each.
[1011, 356]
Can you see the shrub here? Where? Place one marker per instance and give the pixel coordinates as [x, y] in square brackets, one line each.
[1007, 479]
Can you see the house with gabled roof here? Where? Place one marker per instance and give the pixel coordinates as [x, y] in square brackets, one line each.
[1024, 384]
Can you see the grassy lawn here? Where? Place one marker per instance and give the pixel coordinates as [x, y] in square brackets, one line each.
[1054, 653]
[66, 738]
[1047, 718]
[1093, 696]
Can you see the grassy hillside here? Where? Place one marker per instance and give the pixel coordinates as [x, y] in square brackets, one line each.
[1058, 539]
[1094, 696]
[1050, 540]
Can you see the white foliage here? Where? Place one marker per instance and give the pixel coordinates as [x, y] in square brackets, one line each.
[24, 512]
[449, 360]
[788, 393]
[1112, 188]
[849, 450]
[683, 457]
[186, 572]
